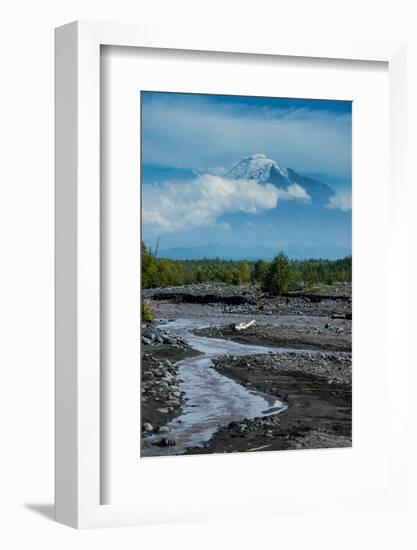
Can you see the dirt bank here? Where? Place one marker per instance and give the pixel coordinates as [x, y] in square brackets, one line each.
[247, 300]
[320, 335]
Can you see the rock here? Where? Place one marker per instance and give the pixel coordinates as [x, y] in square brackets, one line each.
[147, 427]
[162, 411]
[164, 442]
[146, 341]
[163, 429]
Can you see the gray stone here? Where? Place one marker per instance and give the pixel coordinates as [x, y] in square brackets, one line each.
[163, 429]
[147, 427]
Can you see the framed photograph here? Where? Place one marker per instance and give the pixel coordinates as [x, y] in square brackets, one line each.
[230, 339]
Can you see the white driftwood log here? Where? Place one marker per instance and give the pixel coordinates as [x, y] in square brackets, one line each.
[243, 326]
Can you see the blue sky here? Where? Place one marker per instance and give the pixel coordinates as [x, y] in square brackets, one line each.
[190, 141]
[208, 132]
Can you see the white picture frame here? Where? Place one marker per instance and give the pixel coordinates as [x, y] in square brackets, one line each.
[77, 242]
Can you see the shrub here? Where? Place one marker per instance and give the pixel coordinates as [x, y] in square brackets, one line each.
[147, 313]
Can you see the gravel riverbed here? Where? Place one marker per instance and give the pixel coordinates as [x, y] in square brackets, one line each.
[161, 397]
[314, 380]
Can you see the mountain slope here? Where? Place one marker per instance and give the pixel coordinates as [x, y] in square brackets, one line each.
[258, 167]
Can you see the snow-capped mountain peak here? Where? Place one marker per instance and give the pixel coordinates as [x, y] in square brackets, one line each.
[257, 167]
[264, 170]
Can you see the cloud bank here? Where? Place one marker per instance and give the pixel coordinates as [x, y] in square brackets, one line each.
[196, 132]
[170, 206]
[341, 201]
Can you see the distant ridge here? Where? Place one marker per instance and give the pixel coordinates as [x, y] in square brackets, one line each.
[234, 252]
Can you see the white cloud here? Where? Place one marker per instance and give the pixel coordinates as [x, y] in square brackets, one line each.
[174, 206]
[341, 201]
[198, 134]
[295, 191]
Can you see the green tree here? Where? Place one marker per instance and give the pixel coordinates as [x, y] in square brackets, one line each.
[275, 277]
[199, 275]
[149, 268]
[244, 269]
[236, 276]
[311, 276]
[279, 277]
[260, 268]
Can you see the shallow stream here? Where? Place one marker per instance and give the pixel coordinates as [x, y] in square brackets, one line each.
[212, 400]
